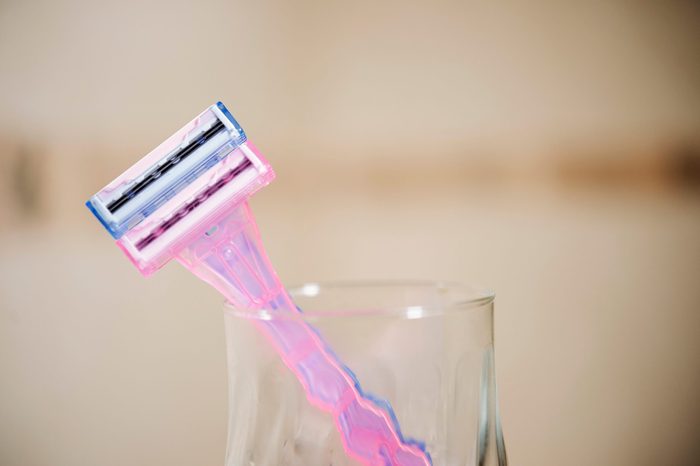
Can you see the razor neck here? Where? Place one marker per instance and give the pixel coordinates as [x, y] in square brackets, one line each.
[230, 257]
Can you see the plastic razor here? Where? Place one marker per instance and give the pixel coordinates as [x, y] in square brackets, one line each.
[187, 199]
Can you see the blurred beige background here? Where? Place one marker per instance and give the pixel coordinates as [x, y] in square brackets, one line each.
[548, 150]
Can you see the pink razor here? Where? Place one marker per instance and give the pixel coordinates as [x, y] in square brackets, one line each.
[187, 199]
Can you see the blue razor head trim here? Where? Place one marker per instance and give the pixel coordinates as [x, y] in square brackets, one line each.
[228, 115]
[167, 170]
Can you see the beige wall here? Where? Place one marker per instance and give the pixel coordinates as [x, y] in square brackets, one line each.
[548, 150]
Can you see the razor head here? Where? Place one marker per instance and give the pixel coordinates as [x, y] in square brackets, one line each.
[181, 188]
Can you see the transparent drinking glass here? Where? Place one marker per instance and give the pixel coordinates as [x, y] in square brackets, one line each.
[426, 348]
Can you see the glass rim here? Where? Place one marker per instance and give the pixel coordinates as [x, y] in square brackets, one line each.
[466, 298]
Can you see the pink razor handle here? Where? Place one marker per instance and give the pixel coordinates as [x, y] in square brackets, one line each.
[231, 258]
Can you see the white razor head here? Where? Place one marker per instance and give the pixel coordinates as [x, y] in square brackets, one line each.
[181, 188]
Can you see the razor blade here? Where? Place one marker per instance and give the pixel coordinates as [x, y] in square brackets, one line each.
[180, 189]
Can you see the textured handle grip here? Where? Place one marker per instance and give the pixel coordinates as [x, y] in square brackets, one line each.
[231, 258]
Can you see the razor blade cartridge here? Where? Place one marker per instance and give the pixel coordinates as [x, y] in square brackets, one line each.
[181, 188]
